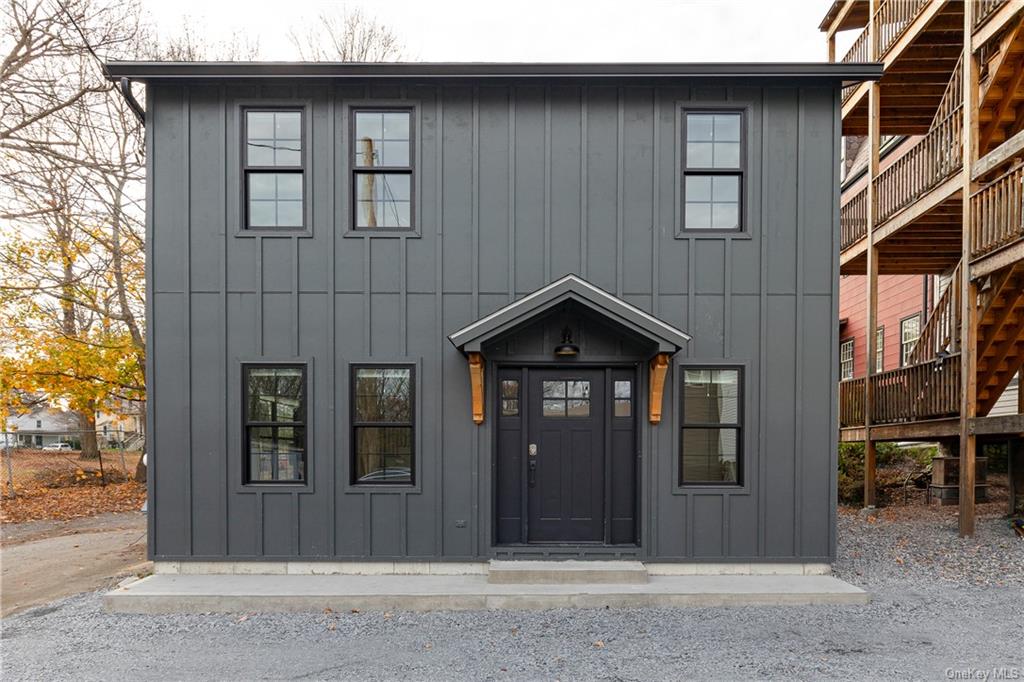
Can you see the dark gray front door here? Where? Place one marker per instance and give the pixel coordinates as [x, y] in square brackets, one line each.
[565, 455]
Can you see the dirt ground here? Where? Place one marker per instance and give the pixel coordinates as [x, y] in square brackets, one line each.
[47, 560]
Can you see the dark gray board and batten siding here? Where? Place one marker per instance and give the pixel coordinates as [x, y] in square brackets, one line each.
[518, 184]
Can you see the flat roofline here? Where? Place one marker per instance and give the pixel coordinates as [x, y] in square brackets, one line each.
[146, 71]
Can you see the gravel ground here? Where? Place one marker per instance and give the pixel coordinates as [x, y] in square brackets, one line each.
[939, 603]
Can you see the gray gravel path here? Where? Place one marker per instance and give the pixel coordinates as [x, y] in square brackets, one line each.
[931, 612]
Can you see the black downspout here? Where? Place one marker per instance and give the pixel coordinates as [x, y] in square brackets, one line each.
[133, 104]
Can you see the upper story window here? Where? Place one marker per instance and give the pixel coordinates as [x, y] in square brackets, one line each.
[382, 169]
[910, 331]
[382, 424]
[846, 359]
[275, 423]
[713, 168]
[273, 168]
[712, 425]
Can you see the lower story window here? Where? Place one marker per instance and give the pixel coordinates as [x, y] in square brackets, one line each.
[275, 423]
[846, 359]
[710, 448]
[383, 429]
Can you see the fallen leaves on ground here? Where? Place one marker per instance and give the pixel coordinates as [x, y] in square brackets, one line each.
[39, 503]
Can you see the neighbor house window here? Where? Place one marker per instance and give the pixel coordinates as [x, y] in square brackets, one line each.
[910, 331]
[713, 163]
[273, 169]
[846, 359]
[382, 169]
[880, 349]
[711, 425]
[382, 424]
[275, 423]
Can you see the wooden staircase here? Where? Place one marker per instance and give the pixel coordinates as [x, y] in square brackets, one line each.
[1000, 334]
[1000, 331]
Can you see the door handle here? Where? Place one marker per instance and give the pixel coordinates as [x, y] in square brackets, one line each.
[531, 465]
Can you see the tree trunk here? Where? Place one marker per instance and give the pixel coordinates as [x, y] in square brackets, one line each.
[90, 448]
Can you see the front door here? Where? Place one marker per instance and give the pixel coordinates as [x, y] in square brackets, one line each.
[565, 456]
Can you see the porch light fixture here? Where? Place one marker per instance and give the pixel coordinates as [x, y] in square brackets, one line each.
[567, 349]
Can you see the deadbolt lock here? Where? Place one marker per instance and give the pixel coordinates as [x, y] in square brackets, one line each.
[532, 450]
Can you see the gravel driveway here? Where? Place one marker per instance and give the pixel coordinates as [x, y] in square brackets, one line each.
[933, 610]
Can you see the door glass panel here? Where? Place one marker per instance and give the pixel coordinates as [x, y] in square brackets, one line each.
[623, 407]
[554, 408]
[579, 408]
[509, 398]
[579, 389]
[554, 389]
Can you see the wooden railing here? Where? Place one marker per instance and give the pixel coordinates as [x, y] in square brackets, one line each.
[851, 402]
[860, 51]
[853, 220]
[941, 333]
[983, 9]
[997, 212]
[927, 390]
[936, 157]
[892, 18]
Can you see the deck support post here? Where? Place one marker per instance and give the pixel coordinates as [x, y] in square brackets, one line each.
[874, 143]
[968, 288]
[476, 383]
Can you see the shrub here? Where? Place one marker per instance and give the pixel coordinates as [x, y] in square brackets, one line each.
[887, 455]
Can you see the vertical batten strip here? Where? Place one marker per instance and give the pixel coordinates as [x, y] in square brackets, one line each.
[620, 152]
[330, 366]
[439, 312]
[474, 474]
[762, 345]
[798, 345]
[547, 184]
[148, 267]
[222, 103]
[187, 312]
[511, 193]
[584, 188]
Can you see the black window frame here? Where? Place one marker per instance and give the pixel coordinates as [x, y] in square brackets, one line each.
[247, 479]
[300, 170]
[738, 426]
[356, 170]
[739, 172]
[355, 424]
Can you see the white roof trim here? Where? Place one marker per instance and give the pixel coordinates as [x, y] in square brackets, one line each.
[601, 293]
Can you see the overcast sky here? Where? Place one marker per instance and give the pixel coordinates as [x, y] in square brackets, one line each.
[536, 30]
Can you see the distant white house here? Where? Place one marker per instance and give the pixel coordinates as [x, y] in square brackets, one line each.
[122, 423]
[42, 426]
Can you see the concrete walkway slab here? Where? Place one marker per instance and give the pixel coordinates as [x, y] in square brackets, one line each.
[232, 593]
[566, 572]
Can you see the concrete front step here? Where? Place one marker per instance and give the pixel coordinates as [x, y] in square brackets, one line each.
[233, 593]
[566, 572]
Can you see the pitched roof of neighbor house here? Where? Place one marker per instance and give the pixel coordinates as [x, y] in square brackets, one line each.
[148, 71]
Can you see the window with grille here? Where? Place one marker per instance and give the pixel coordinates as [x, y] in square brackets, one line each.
[382, 169]
[274, 423]
[910, 331]
[713, 170]
[846, 359]
[273, 168]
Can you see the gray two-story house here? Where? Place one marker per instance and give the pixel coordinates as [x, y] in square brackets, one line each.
[456, 312]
